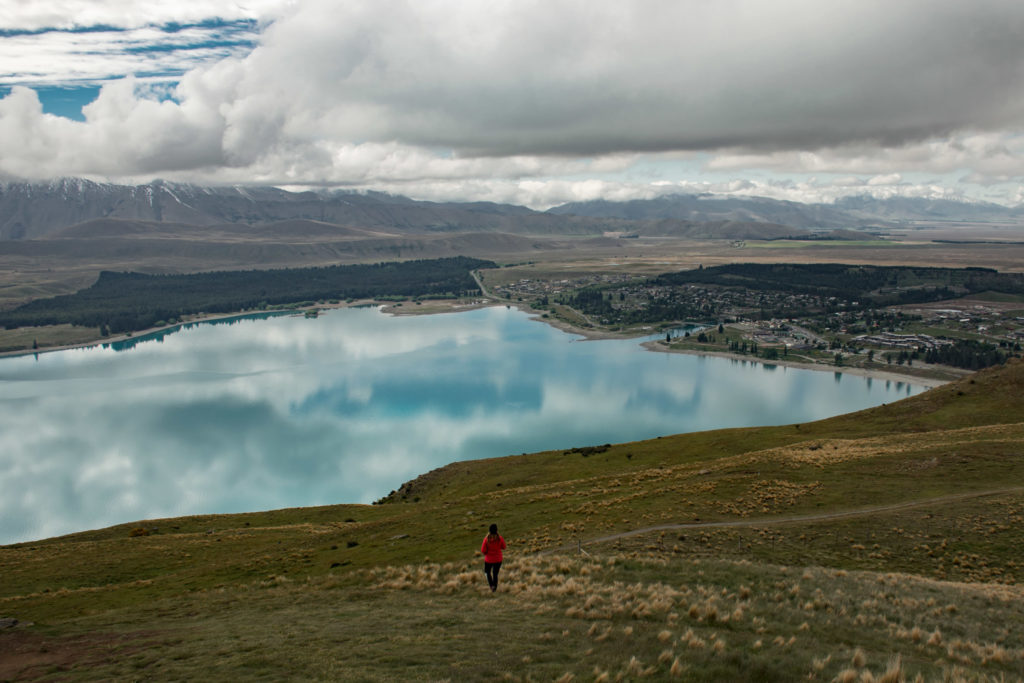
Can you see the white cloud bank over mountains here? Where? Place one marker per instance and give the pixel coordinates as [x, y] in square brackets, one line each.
[543, 102]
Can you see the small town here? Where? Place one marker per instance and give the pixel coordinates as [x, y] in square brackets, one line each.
[772, 323]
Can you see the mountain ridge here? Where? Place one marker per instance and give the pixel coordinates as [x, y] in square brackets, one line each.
[860, 211]
[43, 210]
[34, 211]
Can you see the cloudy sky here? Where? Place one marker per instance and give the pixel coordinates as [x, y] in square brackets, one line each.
[526, 101]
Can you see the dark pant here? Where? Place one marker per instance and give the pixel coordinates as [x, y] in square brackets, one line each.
[491, 569]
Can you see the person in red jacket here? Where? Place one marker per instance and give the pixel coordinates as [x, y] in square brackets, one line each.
[491, 548]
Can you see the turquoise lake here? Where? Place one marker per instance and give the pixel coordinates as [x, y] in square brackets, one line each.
[259, 414]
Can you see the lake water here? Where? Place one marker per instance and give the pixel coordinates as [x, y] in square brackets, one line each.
[286, 411]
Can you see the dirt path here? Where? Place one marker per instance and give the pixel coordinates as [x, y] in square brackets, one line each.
[795, 519]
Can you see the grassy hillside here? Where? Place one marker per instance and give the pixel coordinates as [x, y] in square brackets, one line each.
[882, 545]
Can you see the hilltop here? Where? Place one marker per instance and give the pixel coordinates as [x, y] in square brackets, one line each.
[878, 545]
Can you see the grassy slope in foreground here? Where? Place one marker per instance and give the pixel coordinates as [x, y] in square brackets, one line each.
[393, 591]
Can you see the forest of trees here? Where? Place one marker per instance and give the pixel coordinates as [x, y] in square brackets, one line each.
[125, 302]
[787, 290]
[967, 354]
[870, 285]
[596, 302]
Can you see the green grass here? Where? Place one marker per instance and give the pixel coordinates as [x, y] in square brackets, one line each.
[998, 297]
[691, 619]
[395, 590]
[25, 338]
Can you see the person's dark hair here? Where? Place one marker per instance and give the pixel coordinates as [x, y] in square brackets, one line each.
[494, 528]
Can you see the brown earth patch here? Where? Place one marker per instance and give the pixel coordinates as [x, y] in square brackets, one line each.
[27, 655]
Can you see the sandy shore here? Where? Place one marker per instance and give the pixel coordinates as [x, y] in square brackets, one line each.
[886, 375]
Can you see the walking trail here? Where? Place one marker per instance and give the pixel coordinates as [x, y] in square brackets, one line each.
[793, 519]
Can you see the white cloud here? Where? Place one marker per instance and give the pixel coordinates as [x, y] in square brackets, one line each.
[544, 99]
[542, 194]
[60, 58]
[530, 78]
[998, 153]
[30, 15]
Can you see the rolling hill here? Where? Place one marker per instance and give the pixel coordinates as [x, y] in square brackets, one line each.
[293, 230]
[881, 545]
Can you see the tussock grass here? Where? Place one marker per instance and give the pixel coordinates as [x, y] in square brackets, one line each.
[776, 636]
[381, 620]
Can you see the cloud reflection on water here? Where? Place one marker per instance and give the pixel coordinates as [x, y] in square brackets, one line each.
[289, 411]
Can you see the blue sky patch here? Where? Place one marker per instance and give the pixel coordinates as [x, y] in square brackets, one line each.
[59, 101]
[81, 59]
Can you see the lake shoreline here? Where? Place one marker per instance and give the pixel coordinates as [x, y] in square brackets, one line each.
[199, 319]
[591, 334]
[352, 404]
[657, 346]
[886, 375]
[442, 307]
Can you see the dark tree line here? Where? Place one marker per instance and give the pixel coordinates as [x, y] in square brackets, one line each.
[595, 302]
[967, 354]
[823, 288]
[870, 285]
[124, 302]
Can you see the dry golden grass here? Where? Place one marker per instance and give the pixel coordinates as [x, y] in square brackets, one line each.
[633, 614]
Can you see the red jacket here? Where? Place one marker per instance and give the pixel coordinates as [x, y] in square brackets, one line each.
[492, 549]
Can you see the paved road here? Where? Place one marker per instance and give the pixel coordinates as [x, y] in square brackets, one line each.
[480, 284]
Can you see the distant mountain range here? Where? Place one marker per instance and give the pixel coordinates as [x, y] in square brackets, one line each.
[29, 211]
[70, 208]
[64, 208]
[849, 212]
